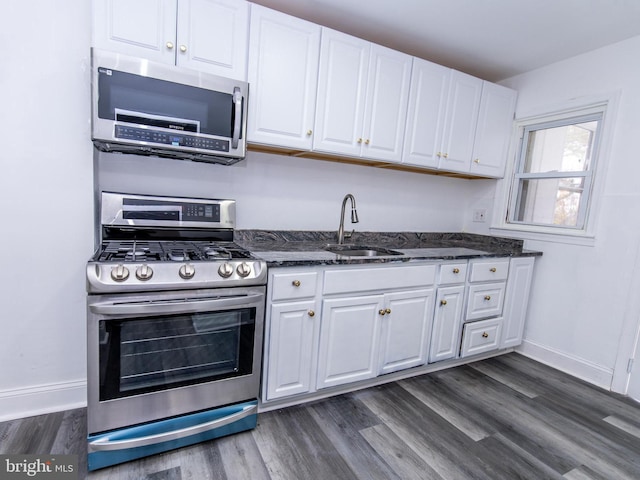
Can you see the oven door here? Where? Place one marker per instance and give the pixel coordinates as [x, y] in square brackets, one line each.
[158, 355]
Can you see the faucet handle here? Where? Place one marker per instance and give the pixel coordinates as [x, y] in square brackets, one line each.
[349, 234]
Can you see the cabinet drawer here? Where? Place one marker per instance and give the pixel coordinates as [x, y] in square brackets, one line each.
[480, 337]
[489, 270]
[383, 278]
[450, 273]
[293, 285]
[485, 300]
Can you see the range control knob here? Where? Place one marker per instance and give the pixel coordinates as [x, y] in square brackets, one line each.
[120, 273]
[244, 269]
[225, 270]
[144, 272]
[187, 271]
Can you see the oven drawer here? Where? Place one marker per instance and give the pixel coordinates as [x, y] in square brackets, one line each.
[480, 337]
[489, 270]
[485, 300]
[293, 285]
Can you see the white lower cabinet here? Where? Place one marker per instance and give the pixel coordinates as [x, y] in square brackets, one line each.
[292, 335]
[406, 330]
[329, 326]
[447, 322]
[516, 300]
[349, 335]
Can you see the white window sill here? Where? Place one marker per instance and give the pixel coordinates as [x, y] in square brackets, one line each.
[578, 238]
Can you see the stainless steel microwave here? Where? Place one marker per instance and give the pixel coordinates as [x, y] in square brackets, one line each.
[149, 108]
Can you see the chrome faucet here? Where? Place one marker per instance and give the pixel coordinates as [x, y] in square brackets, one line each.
[354, 216]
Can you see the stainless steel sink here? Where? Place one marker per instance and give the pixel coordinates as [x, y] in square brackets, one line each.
[361, 251]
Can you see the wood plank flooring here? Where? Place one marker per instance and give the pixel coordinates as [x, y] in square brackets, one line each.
[508, 417]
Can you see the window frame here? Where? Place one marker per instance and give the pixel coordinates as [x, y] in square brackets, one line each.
[516, 199]
[603, 106]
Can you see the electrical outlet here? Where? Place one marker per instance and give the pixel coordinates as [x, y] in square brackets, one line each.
[480, 215]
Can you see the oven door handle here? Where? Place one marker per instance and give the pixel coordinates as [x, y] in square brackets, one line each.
[182, 306]
[104, 443]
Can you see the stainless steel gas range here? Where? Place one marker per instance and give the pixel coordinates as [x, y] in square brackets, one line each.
[175, 317]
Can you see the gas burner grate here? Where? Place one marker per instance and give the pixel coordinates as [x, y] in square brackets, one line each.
[125, 251]
[130, 251]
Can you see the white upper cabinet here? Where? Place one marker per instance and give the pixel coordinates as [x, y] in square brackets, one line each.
[457, 122]
[442, 120]
[141, 29]
[362, 98]
[461, 119]
[283, 73]
[494, 130]
[206, 35]
[426, 113]
[213, 36]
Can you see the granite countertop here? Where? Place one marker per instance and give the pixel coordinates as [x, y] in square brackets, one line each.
[298, 248]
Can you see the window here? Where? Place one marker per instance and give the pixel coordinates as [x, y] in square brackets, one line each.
[554, 172]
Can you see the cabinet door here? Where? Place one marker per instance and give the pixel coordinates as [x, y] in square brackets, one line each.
[447, 323]
[461, 121]
[406, 330]
[213, 36]
[516, 300]
[386, 104]
[493, 132]
[426, 113]
[144, 28]
[283, 73]
[349, 339]
[290, 349]
[342, 81]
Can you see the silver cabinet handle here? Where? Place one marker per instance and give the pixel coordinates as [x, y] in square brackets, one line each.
[104, 443]
[237, 123]
[188, 305]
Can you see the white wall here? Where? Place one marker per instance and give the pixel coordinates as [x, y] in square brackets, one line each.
[290, 193]
[582, 310]
[46, 197]
[46, 202]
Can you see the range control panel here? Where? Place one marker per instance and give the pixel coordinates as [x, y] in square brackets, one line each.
[169, 138]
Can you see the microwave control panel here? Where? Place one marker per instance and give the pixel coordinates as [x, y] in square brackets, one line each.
[169, 138]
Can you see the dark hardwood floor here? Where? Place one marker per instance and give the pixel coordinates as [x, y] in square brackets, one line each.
[503, 418]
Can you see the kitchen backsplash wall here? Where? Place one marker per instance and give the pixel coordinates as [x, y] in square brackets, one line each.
[290, 193]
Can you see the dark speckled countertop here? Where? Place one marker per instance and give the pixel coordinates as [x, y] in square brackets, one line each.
[299, 248]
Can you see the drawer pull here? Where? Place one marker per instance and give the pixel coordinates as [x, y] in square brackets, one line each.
[485, 334]
[296, 283]
[387, 311]
[456, 270]
[493, 269]
[311, 313]
[382, 312]
[487, 297]
[443, 302]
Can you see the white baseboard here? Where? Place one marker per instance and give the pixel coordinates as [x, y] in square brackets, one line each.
[41, 399]
[575, 366]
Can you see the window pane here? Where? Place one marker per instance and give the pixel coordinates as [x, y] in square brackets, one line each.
[565, 148]
[551, 201]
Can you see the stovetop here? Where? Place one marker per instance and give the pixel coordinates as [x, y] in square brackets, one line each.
[169, 251]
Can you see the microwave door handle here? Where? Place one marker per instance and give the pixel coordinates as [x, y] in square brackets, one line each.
[104, 443]
[237, 124]
[180, 306]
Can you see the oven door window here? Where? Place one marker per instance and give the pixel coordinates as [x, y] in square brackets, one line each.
[158, 353]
